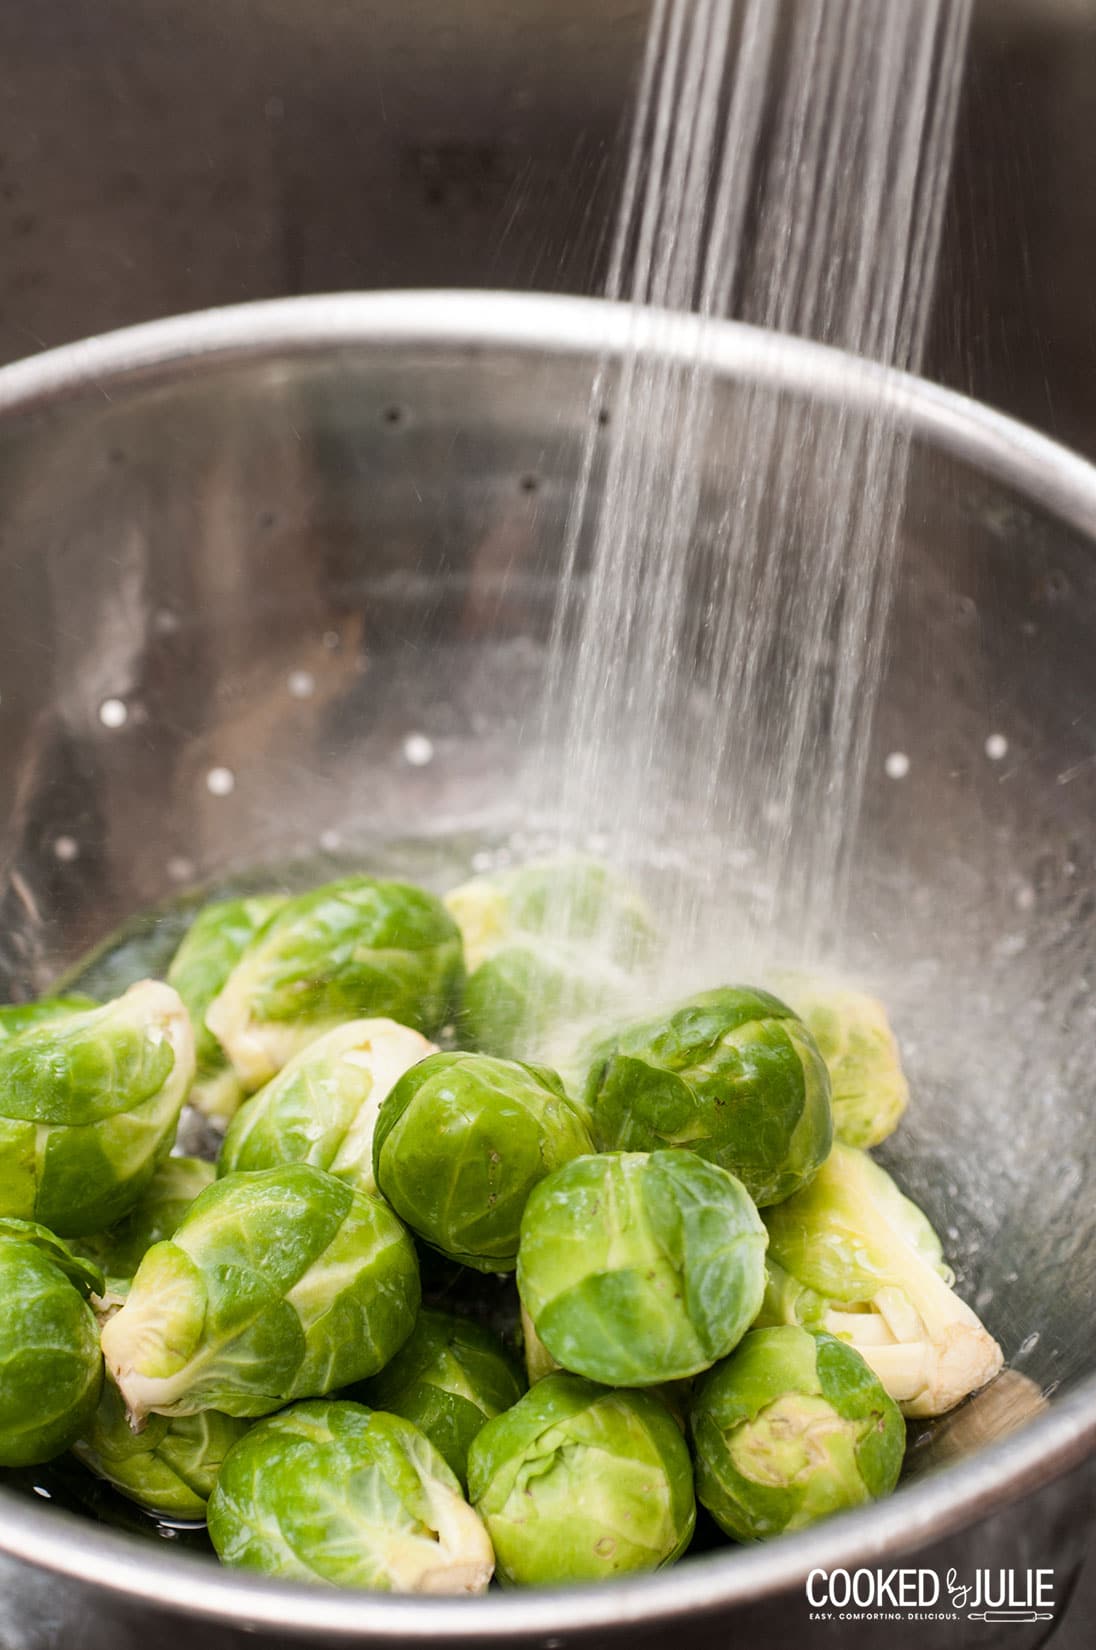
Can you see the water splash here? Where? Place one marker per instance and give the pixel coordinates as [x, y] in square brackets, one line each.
[715, 660]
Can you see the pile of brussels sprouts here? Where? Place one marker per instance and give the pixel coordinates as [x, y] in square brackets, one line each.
[722, 1296]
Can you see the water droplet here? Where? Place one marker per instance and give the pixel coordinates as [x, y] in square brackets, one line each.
[897, 765]
[418, 750]
[220, 781]
[66, 849]
[1029, 1344]
[113, 713]
[180, 869]
[1025, 897]
[330, 841]
[996, 747]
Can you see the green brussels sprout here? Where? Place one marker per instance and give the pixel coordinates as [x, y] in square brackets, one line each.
[539, 1362]
[89, 1106]
[211, 948]
[574, 900]
[788, 1302]
[278, 1285]
[519, 999]
[852, 1242]
[17, 1017]
[352, 949]
[450, 1378]
[51, 1369]
[868, 1088]
[730, 1074]
[578, 1483]
[154, 1216]
[791, 1428]
[336, 1493]
[637, 1269]
[460, 1143]
[322, 1107]
[547, 946]
[170, 1466]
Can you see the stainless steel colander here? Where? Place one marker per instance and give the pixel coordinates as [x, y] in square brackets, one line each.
[277, 582]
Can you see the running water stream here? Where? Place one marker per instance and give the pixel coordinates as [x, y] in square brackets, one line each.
[720, 632]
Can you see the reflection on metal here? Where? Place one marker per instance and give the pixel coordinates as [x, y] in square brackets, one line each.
[1001, 1408]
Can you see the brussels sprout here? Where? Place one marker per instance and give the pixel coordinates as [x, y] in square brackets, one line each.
[791, 1428]
[852, 1239]
[351, 949]
[153, 1217]
[336, 1493]
[170, 1466]
[450, 1378]
[637, 1269]
[211, 948]
[547, 945]
[577, 1483]
[539, 1362]
[50, 1366]
[732, 1075]
[522, 998]
[17, 1017]
[571, 900]
[460, 1143]
[322, 1107]
[277, 1285]
[88, 1108]
[868, 1087]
